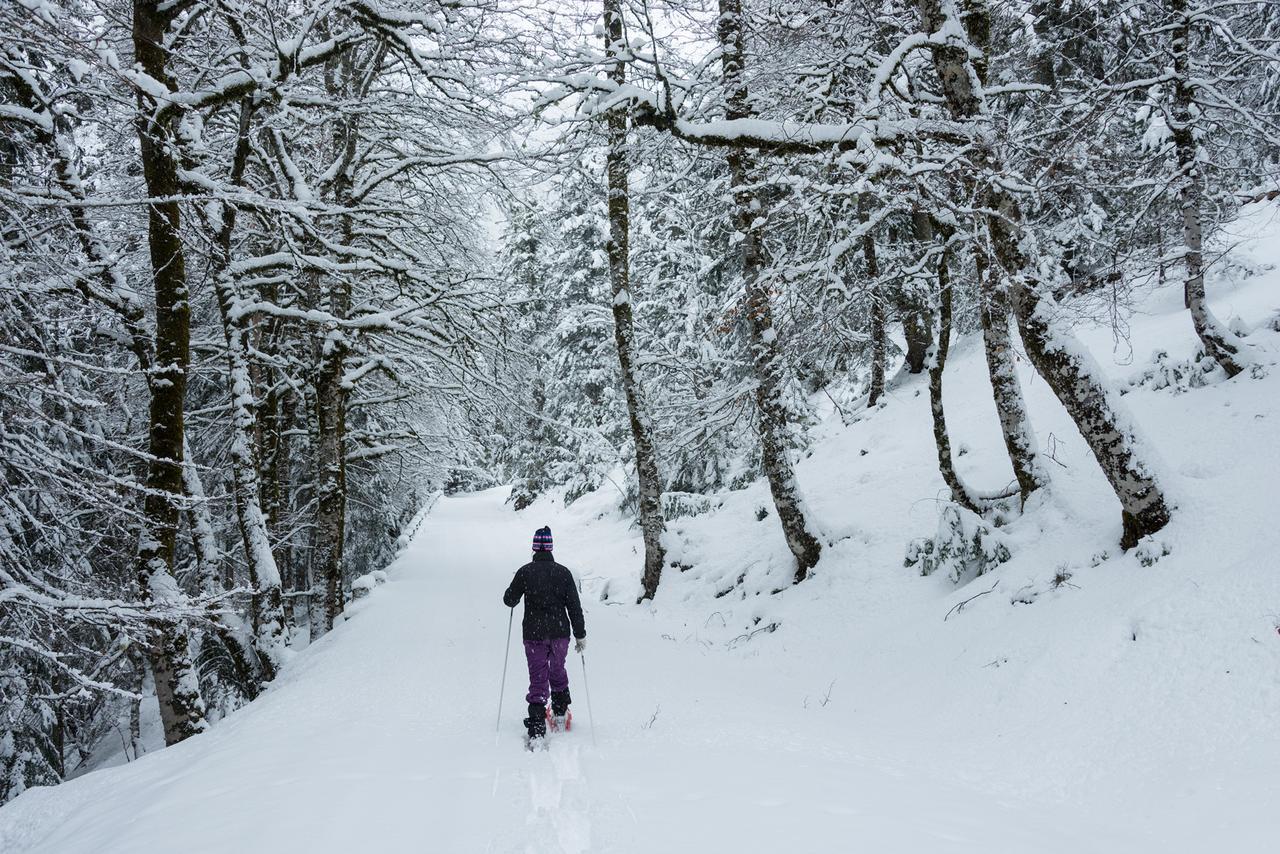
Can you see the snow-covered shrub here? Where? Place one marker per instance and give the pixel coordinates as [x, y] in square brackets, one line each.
[28, 757]
[964, 546]
[677, 505]
[1150, 550]
[1179, 375]
[364, 585]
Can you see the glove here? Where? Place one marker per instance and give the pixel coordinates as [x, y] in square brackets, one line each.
[580, 645]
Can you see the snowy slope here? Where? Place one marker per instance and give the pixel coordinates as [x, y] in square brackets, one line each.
[1136, 709]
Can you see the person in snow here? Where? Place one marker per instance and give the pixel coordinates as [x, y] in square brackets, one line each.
[551, 607]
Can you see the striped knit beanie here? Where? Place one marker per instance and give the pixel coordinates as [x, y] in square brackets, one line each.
[542, 539]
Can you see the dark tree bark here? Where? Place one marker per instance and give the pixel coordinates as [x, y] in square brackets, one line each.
[941, 437]
[766, 353]
[915, 328]
[331, 478]
[276, 417]
[182, 710]
[879, 342]
[1066, 366]
[619, 252]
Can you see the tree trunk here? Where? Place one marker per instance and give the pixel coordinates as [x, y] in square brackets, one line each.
[1015, 423]
[331, 486]
[1064, 363]
[267, 604]
[651, 521]
[182, 710]
[327, 599]
[876, 314]
[139, 667]
[941, 437]
[766, 353]
[200, 522]
[915, 328]
[1220, 344]
[276, 417]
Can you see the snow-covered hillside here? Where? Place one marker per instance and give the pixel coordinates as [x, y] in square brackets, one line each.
[1080, 701]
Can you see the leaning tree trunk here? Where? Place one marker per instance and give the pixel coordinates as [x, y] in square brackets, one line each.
[937, 364]
[1220, 344]
[875, 317]
[997, 342]
[619, 250]
[182, 709]
[1066, 366]
[766, 352]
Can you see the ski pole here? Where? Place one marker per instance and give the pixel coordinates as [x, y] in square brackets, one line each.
[503, 688]
[587, 688]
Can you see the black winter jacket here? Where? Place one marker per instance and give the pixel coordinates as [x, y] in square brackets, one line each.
[549, 593]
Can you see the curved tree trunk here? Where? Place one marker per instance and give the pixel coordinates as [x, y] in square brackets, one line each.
[619, 252]
[941, 437]
[766, 353]
[1066, 365]
[1078, 384]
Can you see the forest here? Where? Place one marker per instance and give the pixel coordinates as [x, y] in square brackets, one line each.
[275, 275]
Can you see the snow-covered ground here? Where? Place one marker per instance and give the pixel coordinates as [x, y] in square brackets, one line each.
[1133, 709]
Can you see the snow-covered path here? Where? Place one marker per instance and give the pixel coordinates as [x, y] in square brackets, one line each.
[381, 738]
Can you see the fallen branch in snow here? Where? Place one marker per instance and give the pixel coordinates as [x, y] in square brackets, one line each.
[771, 627]
[960, 605]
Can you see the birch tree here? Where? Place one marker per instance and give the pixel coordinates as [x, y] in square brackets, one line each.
[619, 251]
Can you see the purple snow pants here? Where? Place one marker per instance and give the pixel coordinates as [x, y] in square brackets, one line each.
[546, 665]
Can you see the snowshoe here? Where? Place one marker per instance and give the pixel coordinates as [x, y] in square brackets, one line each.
[559, 723]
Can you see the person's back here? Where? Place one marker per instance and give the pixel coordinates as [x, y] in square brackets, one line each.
[551, 609]
[551, 603]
